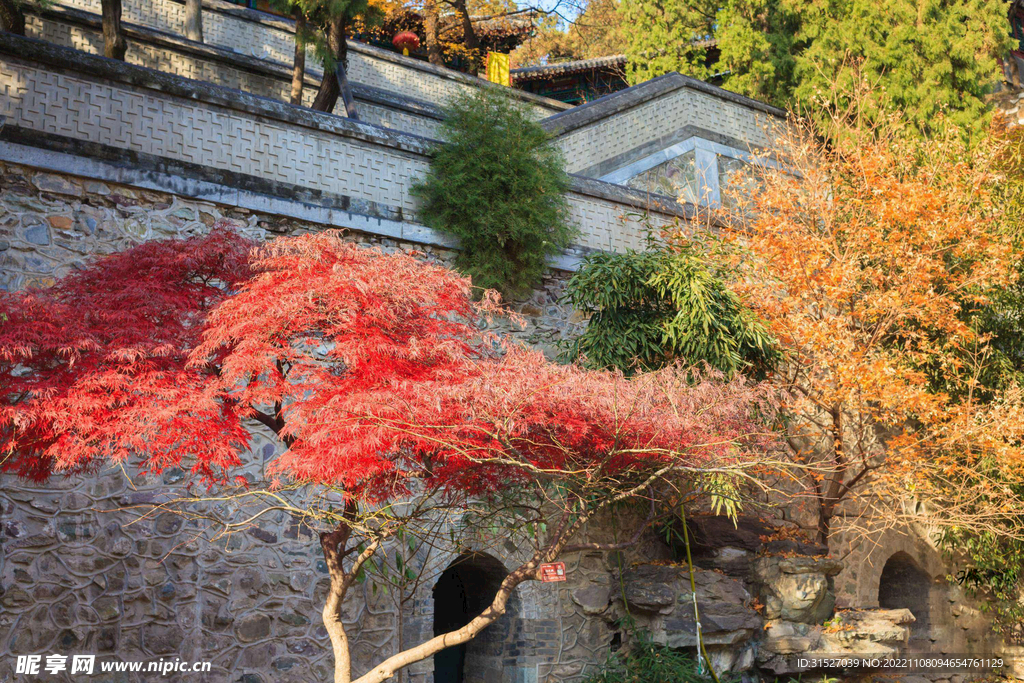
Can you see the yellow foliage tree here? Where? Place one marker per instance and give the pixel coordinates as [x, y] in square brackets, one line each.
[866, 258]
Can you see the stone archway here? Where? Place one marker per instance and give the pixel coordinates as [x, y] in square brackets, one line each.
[462, 592]
[904, 583]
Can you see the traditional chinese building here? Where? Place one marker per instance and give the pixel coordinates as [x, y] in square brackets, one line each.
[583, 80]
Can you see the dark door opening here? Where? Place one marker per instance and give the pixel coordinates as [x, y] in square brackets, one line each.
[465, 589]
[904, 584]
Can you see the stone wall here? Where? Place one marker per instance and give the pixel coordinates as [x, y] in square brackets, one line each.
[270, 37]
[97, 108]
[604, 135]
[77, 577]
[51, 223]
[947, 620]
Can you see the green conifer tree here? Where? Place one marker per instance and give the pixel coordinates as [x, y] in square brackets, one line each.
[498, 184]
[667, 35]
[926, 57]
[934, 59]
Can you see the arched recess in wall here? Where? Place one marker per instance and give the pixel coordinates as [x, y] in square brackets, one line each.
[904, 583]
[463, 591]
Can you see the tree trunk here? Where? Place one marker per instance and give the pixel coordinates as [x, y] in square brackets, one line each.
[469, 38]
[824, 523]
[433, 38]
[114, 44]
[299, 62]
[327, 95]
[194, 20]
[333, 545]
[388, 667]
[12, 19]
[336, 83]
[834, 489]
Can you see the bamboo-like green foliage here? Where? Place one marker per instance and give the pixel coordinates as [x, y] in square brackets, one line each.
[650, 308]
[498, 184]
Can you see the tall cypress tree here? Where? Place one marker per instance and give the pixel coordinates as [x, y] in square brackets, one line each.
[924, 57]
[667, 35]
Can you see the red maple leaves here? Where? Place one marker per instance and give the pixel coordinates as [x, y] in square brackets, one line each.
[95, 367]
[374, 369]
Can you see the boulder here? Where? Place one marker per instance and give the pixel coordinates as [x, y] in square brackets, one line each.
[797, 589]
[650, 588]
[726, 617]
[883, 631]
[593, 599]
[659, 596]
[851, 634]
[714, 532]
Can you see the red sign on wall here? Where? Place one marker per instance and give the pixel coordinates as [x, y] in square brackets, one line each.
[552, 571]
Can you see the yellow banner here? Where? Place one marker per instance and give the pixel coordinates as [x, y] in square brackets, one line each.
[497, 68]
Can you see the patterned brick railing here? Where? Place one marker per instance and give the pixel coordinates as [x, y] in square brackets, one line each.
[212, 64]
[163, 125]
[597, 138]
[615, 130]
[268, 37]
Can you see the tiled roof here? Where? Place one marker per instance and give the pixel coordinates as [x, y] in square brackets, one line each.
[519, 23]
[611, 61]
[562, 68]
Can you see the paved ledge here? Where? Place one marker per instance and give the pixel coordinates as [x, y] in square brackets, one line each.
[640, 152]
[228, 195]
[622, 100]
[212, 53]
[636, 199]
[101, 69]
[142, 165]
[287, 24]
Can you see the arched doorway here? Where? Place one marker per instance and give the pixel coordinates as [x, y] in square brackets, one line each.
[905, 584]
[463, 591]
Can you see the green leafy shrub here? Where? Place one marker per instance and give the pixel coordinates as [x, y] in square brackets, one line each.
[498, 185]
[992, 571]
[648, 662]
[648, 308]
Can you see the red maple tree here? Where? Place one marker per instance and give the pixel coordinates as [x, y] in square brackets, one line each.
[375, 372]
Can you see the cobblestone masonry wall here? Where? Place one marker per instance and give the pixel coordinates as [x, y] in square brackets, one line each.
[136, 119]
[76, 577]
[396, 73]
[956, 622]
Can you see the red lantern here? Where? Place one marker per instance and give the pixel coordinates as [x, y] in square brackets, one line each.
[405, 41]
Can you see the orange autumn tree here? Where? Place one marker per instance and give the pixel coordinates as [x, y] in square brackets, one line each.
[866, 259]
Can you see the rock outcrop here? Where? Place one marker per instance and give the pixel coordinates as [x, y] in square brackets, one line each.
[861, 634]
[659, 598]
